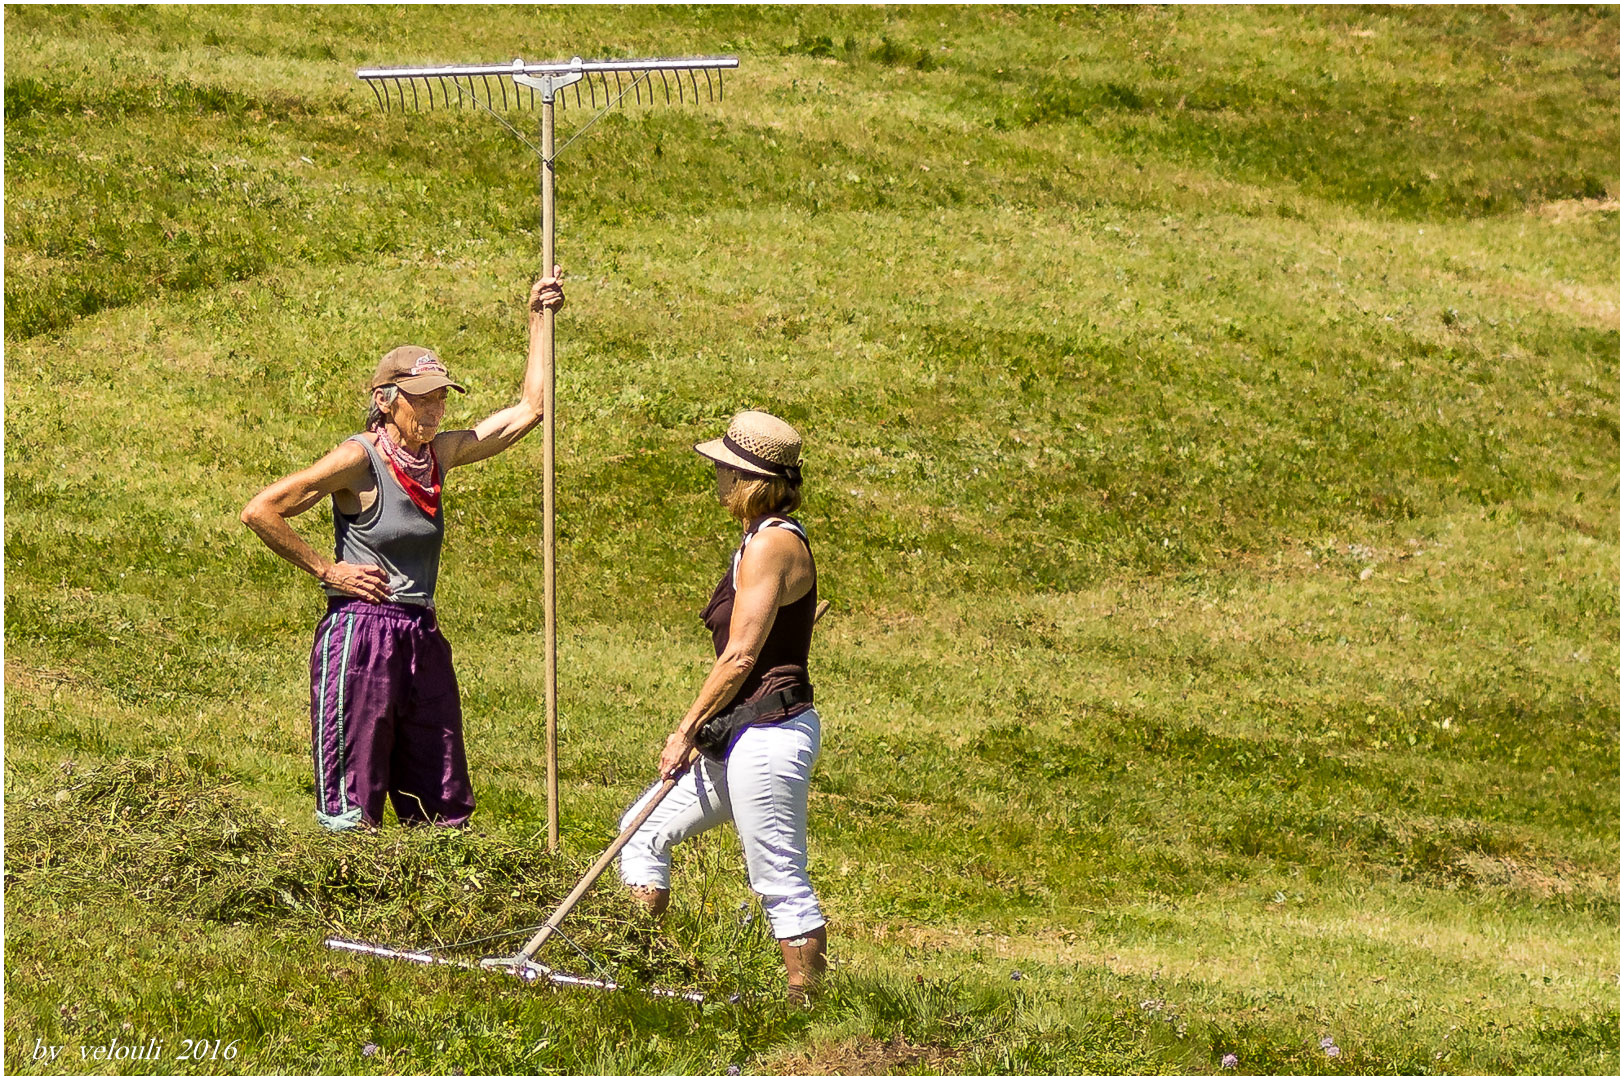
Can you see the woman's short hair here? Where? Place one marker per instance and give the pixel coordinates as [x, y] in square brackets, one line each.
[375, 416]
[757, 496]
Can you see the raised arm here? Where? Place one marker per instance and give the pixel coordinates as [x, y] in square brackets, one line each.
[344, 468]
[502, 429]
[770, 564]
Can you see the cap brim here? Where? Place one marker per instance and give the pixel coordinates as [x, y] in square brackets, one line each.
[718, 452]
[423, 384]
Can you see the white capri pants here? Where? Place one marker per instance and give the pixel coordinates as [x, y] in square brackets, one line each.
[762, 789]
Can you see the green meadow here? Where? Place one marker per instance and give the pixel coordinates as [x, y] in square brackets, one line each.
[1211, 423]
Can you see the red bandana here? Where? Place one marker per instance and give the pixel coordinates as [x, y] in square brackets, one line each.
[418, 476]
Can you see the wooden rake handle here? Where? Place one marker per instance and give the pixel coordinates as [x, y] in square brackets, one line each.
[548, 928]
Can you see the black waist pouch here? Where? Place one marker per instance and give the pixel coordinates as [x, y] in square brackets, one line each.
[716, 736]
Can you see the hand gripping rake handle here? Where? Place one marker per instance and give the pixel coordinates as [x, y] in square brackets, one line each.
[521, 960]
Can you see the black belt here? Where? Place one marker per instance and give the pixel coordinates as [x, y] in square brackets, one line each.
[778, 701]
[716, 736]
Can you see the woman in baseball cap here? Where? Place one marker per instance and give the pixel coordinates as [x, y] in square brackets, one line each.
[753, 721]
[386, 718]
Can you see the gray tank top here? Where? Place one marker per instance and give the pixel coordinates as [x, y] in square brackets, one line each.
[392, 533]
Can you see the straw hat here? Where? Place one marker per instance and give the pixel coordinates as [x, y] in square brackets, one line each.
[757, 443]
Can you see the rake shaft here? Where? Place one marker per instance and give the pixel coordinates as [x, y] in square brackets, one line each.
[549, 558]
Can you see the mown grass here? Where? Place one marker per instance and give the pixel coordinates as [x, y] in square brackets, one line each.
[1212, 423]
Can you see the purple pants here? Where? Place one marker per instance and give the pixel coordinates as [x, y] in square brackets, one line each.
[386, 718]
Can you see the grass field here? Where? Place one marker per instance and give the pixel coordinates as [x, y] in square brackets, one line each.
[1212, 456]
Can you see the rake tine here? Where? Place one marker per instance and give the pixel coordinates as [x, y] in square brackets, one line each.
[594, 73]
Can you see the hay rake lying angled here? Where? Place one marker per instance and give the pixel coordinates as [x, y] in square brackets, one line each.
[521, 85]
[523, 963]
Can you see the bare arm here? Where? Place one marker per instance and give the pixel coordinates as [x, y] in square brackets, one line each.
[345, 468]
[502, 429]
[766, 571]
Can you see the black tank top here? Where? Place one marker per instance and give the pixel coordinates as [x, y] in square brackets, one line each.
[782, 662]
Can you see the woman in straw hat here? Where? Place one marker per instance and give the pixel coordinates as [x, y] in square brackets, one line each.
[753, 720]
[385, 715]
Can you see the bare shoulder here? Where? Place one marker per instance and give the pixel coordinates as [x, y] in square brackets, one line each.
[344, 466]
[350, 453]
[773, 545]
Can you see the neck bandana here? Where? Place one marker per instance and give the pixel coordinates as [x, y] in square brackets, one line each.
[418, 475]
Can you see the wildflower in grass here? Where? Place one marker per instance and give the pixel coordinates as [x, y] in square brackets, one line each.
[1333, 1051]
[733, 1070]
[1327, 1042]
[1230, 1061]
[369, 1049]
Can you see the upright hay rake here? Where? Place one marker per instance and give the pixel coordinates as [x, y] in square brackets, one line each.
[519, 85]
[599, 84]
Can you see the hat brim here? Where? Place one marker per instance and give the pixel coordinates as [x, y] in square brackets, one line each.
[718, 452]
[423, 384]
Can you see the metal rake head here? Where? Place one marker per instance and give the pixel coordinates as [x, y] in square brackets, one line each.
[598, 83]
